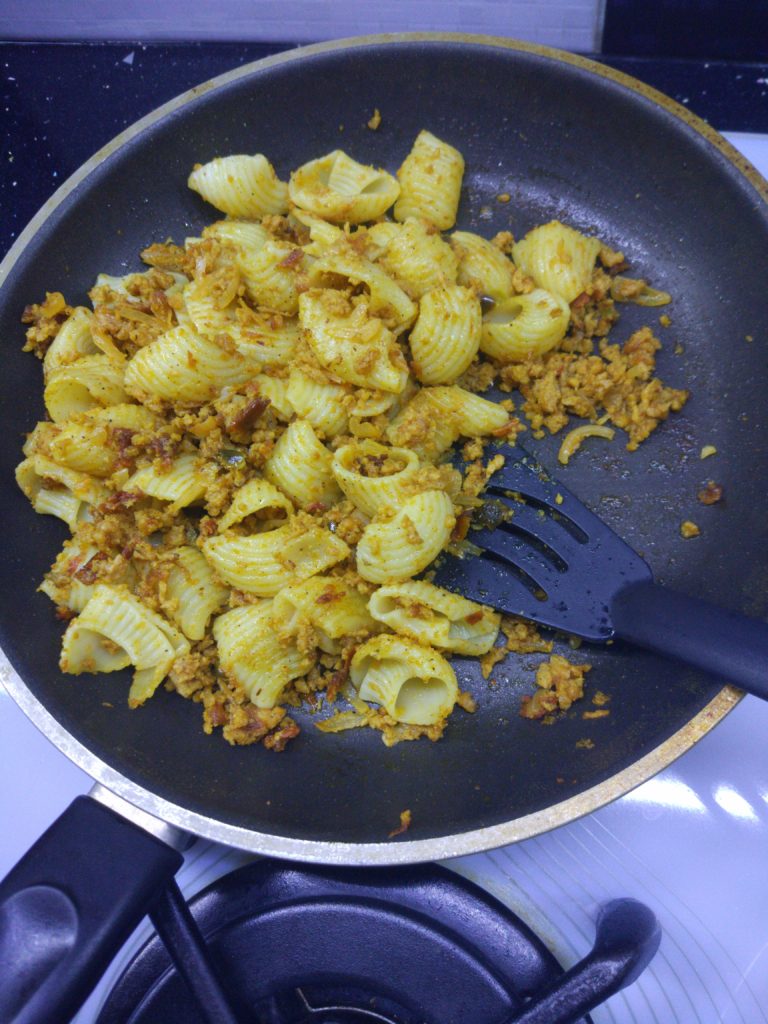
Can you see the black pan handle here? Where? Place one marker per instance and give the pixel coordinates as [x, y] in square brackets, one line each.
[627, 938]
[723, 643]
[69, 905]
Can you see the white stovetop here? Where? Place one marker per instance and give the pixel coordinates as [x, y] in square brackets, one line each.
[692, 843]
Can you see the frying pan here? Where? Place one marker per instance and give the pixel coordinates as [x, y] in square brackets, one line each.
[567, 139]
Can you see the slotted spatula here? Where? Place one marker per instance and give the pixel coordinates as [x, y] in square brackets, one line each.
[545, 557]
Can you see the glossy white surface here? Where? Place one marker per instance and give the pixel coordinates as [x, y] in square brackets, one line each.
[692, 843]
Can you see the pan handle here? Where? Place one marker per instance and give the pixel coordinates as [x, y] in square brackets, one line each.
[627, 938]
[712, 639]
[69, 905]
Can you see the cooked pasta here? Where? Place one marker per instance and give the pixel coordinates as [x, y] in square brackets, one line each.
[241, 186]
[558, 258]
[430, 182]
[415, 684]
[248, 441]
[524, 325]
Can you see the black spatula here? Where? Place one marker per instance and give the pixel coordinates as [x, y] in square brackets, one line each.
[536, 551]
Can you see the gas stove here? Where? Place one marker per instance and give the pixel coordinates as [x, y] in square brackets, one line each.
[690, 844]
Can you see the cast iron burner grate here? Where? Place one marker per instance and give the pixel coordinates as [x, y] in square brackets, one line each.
[418, 945]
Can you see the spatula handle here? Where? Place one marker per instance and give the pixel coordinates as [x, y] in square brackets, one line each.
[719, 642]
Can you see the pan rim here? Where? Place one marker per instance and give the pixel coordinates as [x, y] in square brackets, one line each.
[402, 851]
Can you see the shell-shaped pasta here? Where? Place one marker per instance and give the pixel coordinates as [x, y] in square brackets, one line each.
[434, 616]
[56, 490]
[341, 190]
[435, 417]
[366, 402]
[84, 442]
[271, 275]
[264, 563]
[430, 182]
[558, 258]
[116, 629]
[89, 382]
[333, 607]
[205, 314]
[374, 476]
[257, 496]
[300, 465]
[241, 186]
[320, 403]
[266, 339]
[415, 684]
[253, 656]
[398, 544]
[193, 592]
[276, 390]
[246, 236]
[322, 234]
[423, 427]
[353, 345]
[446, 337]
[482, 267]
[181, 483]
[73, 341]
[419, 259]
[342, 266]
[183, 366]
[471, 413]
[61, 583]
[525, 325]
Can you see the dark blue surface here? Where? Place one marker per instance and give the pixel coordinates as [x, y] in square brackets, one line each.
[62, 101]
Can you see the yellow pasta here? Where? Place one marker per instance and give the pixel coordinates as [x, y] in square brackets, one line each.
[85, 441]
[430, 182]
[300, 465]
[261, 500]
[399, 543]
[264, 563]
[418, 259]
[58, 491]
[483, 267]
[184, 366]
[525, 325]
[193, 592]
[251, 654]
[413, 683]
[272, 275]
[90, 382]
[351, 343]
[558, 258]
[114, 630]
[331, 606]
[73, 341]
[343, 266]
[181, 482]
[434, 616]
[241, 186]
[320, 403]
[341, 190]
[446, 337]
[373, 475]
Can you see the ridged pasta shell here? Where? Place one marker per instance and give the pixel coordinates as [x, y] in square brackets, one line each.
[558, 258]
[341, 190]
[241, 186]
[399, 544]
[525, 325]
[413, 683]
[430, 182]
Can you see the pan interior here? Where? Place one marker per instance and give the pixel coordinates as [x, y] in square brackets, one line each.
[563, 143]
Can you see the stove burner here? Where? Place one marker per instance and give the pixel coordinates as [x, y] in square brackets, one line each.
[350, 946]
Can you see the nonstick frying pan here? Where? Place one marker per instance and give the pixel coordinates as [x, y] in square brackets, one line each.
[565, 138]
